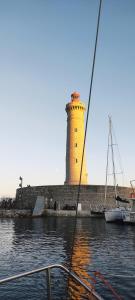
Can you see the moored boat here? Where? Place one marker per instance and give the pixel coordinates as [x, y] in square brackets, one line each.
[114, 214]
[128, 216]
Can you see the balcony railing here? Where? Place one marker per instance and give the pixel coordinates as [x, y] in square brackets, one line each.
[49, 286]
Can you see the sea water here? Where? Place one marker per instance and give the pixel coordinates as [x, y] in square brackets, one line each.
[27, 244]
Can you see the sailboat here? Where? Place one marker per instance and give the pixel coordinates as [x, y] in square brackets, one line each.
[129, 215]
[114, 214]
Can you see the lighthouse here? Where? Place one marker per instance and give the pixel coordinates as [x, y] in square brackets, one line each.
[75, 110]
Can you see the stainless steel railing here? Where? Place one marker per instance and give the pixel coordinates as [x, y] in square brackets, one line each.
[48, 270]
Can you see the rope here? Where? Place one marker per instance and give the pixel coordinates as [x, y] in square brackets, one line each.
[86, 125]
[120, 276]
[119, 155]
[107, 283]
[89, 101]
[113, 275]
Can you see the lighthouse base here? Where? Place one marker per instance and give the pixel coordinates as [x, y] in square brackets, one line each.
[64, 198]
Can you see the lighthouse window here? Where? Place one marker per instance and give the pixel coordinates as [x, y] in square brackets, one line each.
[75, 129]
[75, 144]
[76, 160]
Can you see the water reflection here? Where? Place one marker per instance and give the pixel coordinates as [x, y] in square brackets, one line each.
[27, 244]
[6, 240]
[81, 259]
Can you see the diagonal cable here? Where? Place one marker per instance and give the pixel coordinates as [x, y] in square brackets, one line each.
[86, 126]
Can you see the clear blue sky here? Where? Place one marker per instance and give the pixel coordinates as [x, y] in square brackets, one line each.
[45, 54]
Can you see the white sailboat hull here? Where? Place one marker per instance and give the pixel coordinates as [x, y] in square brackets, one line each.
[129, 217]
[114, 215]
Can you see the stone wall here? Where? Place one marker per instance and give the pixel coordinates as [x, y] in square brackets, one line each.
[63, 197]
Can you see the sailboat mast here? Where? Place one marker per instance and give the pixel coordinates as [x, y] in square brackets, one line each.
[106, 179]
[113, 164]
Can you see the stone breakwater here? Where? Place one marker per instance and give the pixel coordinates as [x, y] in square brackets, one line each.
[60, 200]
[15, 213]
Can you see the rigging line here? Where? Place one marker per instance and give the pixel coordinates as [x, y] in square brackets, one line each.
[114, 275]
[119, 155]
[112, 152]
[117, 173]
[89, 101]
[86, 125]
[106, 179]
[120, 276]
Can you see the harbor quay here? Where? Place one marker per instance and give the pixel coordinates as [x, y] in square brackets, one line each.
[61, 200]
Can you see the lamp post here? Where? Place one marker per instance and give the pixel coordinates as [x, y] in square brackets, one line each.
[20, 185]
